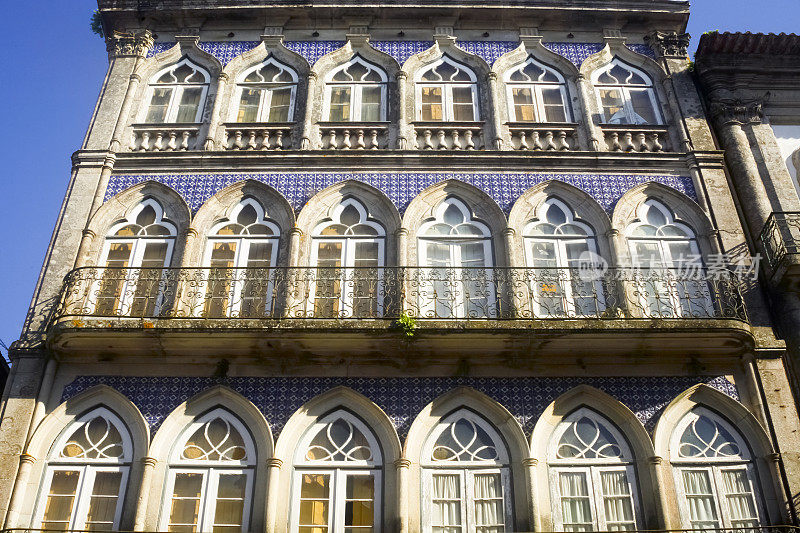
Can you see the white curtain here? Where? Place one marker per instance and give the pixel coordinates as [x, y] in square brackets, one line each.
[576, 510]
[446, 502]
[617, 501]
[488, 503]
[739, 498]
[700, 498]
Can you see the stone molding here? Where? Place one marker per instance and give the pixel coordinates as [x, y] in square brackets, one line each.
[670, 45]
[737, 111]
[132, 44]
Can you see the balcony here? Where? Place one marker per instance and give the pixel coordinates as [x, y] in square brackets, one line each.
[354, 135]
[553, 137]
[449, 136]
[164, 137]
[630, 138]
[780, 240]
[497, 308]
[257, 136]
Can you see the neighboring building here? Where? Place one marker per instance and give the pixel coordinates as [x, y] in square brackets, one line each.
[327, 268]
[752, 84]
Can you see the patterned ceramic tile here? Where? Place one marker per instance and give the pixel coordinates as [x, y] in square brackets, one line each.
[313, 50]
[400, 187]
[490, 51]
[575, 52]
[643, 49]
[401, 50]
[227, 51]
[401, 398]
[159, 48]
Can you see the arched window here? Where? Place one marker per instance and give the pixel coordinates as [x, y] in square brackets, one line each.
[447, 91]
[557, 247]
[86, 475]
[537, 93]
[135, 252]
[456, 251]
[177, 94]
[626, 95]
[242, 252]
[337, 478]
[267, 93]
[592, 479]
[465, 476]
[671, 281]
[210, 476]
[356, 92]
[347, 251]
[714, 474]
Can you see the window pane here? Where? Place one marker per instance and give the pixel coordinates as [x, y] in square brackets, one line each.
[314, 494]
[463, 110]
[359, 507]
[370, 104]
[190, 103]
[431, 103]
[248, 107]
[185, 501]
[642, 107]
[613, 106]
[523, 104]
[489, 511]
[446, 502]
[739, 498]
[576, 511]
[58, 510]
[340, 104]
[617, 503]
[230, 501]
[700, 499]
[157, 113]
[280, 105]
[103, 503]
[553, 105]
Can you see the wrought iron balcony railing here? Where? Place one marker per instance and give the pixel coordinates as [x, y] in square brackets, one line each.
[780, 237]
[709, 529]
[389, 292]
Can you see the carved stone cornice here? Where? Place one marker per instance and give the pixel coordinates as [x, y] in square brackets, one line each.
[737, 111]
[131, 44]
[671, 44]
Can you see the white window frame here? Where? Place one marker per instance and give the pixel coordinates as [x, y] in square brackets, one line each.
[211, 470]
[356, 90]
[242, 253]
[714, 467]
[625, 91]
[460, 305]
[447, 90]
[177, 93]
[347, 257]
[266, 88]
[536, 92]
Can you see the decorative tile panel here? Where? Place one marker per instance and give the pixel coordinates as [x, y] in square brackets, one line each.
[401, 398]
[575, 52]
[642, 49]
[489, 51]
[400, 187]
[227, 51]
[401, 50]
[313, 50]
[159, 48]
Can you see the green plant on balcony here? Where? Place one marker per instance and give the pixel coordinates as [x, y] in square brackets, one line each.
[407, 324]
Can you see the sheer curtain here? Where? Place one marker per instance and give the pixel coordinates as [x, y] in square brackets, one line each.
[576, 510]
[739, 498]
[489, 504]
[446, 503]
[617, 501]
[700, 498]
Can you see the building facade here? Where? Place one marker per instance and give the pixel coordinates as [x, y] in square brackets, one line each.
[402, 268]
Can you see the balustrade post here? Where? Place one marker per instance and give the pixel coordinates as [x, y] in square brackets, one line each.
[402, 113]
[210, 144]
[403, 466]
[273, 486]
[308, 123]
[495, 108]
[148, 466]
[587, 95]
[20, 483]
[530, 465]
[661, 505]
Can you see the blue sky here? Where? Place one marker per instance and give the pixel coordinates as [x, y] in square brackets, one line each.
[57, 66]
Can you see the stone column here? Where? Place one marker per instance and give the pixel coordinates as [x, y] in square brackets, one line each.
[294, 246]
[530, 465]
[494, 104]
[135, 44]
[308, 123]
[148, 466]
[85, 245]
[20, 483]
[403, 466]
[210, 143]
[105, 174]
[294, 277]
[41, 399]
[402, 111]
[273, 486]
[594, 133]
[402, 246]
[660, 500]
[189, 238]
[749, 362]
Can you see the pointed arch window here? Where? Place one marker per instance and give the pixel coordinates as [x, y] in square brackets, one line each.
[210, 476]
[266, 93]
[135, 253]
[177, 94]
[714, 473]
[537, 93]
[356, 92]
[557, 247]
[456, 253]
[348, 253]
[671, 281]
[86, 475]
[242, 252]
[465, 474]
[626, 95]
[592, 479]
[447, 91]
[338, 478]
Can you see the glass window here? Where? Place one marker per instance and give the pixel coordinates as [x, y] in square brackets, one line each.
[537, 93]
[356, 92]
[86, 476]
[177, 94]
[267, 92]
[447, 91]
[210, 477]
[626, 95]
[593, 476]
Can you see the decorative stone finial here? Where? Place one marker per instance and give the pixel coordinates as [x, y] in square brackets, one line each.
[132, 44]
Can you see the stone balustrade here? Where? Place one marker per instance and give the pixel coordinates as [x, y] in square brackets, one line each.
[164, 137]
[630, 138]
[535, 136]
[449, 136]
[257, 136]
[354, 136]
